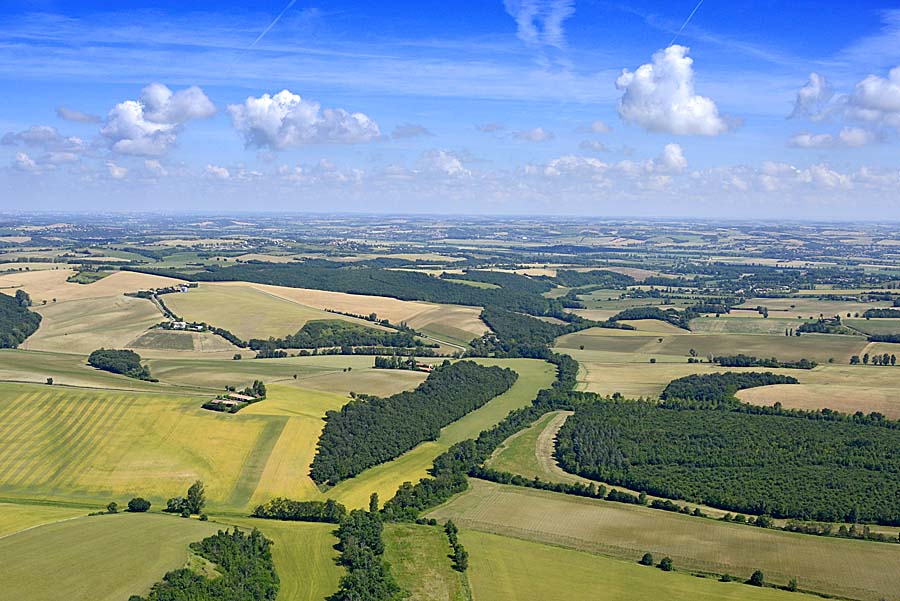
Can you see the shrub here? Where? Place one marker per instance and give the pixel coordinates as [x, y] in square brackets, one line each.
[757, 578]
[646, 560]
[666, 564]
[112, 508]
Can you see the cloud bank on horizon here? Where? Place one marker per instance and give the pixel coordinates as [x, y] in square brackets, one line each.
[522, 112]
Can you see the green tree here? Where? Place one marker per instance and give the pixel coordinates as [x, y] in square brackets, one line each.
[373, 503]
[196, 497]
[757, 578]
[666, 564]
[113, 507]
[646, 560]
[792, 585]
[138, 505]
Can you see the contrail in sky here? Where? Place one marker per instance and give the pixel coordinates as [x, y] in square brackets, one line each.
[293, 2]
[680, 29]
[262, 35]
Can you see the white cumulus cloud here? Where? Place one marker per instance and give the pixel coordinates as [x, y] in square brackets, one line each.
[150, 126]
[23, 162]
[115, 171]
[659, 96]
[286, 120]
[445, 162]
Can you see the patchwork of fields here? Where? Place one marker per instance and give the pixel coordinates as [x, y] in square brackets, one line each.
[843, 567]
[93, 446]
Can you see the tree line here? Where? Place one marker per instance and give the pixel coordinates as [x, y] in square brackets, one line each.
[367, 432]
[301, 511]
[741, 360]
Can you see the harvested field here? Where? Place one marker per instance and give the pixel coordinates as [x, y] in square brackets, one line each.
[49, 284]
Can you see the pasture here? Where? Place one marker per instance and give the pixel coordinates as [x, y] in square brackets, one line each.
[419, 562]
[837, 566]
[508, 569]
[875, 326]
[99, 558]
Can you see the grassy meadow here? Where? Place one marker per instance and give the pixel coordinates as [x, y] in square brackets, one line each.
[419, 561]
[509, 569]
[829, 565]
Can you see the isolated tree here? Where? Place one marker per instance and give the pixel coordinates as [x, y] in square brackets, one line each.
[854, 360]
[757, 579]
[792, 584]
[646, 560]
[666, 564]
[112, 508]
[50, 381]
[866, 359]
[893, 359]
[196, 498]
[138, 505]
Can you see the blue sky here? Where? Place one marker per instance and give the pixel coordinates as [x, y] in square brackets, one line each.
[787, 109]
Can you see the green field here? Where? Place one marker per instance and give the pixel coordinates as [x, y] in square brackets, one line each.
[419, 561]
[745, 324]
[844, 567]
[304, 557]
[414, 465]
[875, 326]
[508, 569]
[15, 518]
[100, 558]
[529, 453]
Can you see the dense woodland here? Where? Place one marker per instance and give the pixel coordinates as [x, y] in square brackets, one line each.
[17, 322]
[125, 362]
[247, 572]
[781, 464]
[375, 430]
[719, 388]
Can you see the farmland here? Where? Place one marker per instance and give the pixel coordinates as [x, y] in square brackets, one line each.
[73, 438]
[418, 557]
[144, 546]
[512, 569]
[843, 567]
